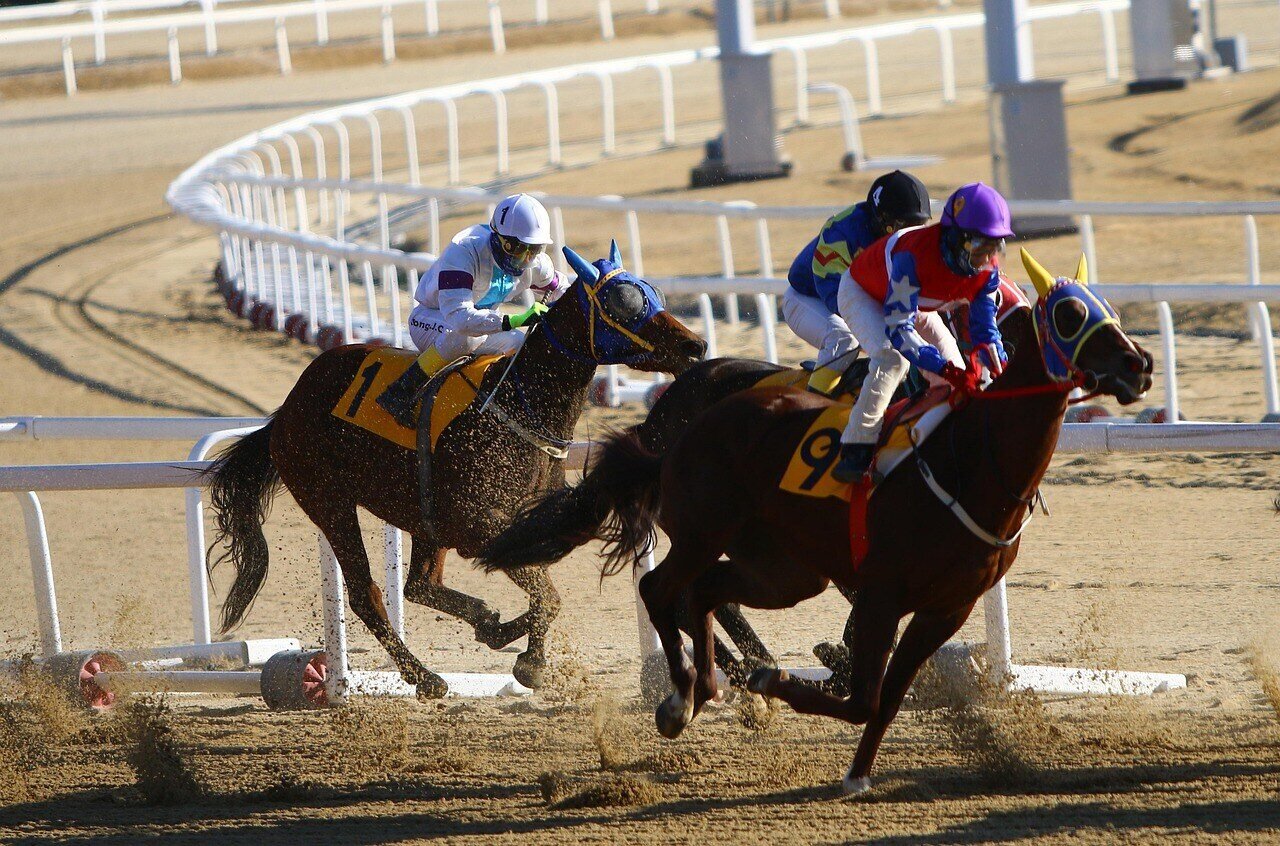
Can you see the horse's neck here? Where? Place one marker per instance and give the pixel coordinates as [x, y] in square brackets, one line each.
[552, 385]
[1020, 432]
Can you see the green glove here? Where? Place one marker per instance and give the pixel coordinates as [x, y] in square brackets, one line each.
[531, 317]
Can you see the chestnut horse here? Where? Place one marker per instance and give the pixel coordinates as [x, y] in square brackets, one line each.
[716, 492]
[485, 463]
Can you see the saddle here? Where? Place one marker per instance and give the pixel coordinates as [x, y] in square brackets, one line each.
[448, 395]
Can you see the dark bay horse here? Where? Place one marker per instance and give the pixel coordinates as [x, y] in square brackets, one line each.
[485, 464]
[715, 492]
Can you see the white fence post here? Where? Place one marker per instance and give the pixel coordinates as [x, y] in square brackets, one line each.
[335, 625]
[540, 12]
[708, 316]
[99, 33]
[500, 127]
[947, 57]
[726, 268]
[1110, 55]
[553, 122]
[496, 34]
[633, 233]
[68, 67]
[668, 105]
[41, 574]
[388, 37]
[322, 23]
[210, 28]
[832, 8]
[282, 48]
[432, 14]
[175, 57]
[872, 56]
[606, 19]
[1089, 245]
[608, 141]
[800, 62]
[649, 641]
[394, 586]
[1170, 363]
[995, 607]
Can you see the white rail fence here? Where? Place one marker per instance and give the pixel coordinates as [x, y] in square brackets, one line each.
[210, 17]
[284, 675]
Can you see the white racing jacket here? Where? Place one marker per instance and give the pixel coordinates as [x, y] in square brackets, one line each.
[466, 285]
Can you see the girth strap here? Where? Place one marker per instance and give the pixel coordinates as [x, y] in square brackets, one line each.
[963, 516]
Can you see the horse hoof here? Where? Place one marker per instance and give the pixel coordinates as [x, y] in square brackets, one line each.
[855, 786]
[762, 679]
[432, 687]
[530, 670]
[489, 632]
[672, 716]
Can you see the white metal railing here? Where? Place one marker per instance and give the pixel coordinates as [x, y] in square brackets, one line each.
[210, 17]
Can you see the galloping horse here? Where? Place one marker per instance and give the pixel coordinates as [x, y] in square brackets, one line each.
[717, 492]
[500, 450]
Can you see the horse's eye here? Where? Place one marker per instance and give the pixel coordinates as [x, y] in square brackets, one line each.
[1069, 315]
[625, 301]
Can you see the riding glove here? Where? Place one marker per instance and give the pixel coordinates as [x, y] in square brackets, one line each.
[531, 317]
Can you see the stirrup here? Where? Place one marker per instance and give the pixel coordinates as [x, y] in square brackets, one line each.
[824, 380]
[855, 461]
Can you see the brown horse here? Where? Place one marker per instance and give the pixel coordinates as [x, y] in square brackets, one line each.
[485, 463]
[716, 492]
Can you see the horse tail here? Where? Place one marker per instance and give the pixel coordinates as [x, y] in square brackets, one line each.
[616, 502]
[242, 482]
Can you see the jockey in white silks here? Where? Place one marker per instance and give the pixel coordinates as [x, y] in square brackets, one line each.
[459, 297]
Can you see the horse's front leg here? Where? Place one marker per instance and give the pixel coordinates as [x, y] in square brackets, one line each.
[425, 586]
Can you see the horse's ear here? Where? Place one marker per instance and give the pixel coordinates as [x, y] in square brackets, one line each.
[1082, 270]
[580, 266]
[615, 255]
[1039, 276]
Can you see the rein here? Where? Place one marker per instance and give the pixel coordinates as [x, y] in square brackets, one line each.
[557, 448]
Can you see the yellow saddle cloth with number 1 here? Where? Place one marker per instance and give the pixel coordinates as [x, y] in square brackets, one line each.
[381, 367]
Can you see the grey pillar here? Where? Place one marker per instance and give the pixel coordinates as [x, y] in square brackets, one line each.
[748, 147]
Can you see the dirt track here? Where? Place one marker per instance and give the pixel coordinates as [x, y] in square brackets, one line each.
[1161, 564]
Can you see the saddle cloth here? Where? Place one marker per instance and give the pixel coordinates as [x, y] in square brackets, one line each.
[381, 367]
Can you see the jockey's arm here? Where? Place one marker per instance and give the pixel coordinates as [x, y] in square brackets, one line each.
[548, 283]
[901, 308]
[457, 306]
[984, 331]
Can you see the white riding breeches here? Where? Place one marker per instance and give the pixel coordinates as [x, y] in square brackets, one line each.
[427, 328]
[809, 319]
[865, 317]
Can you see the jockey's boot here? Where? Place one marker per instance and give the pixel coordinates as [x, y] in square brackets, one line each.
[855, 460]
[825, 378]
[400, 396]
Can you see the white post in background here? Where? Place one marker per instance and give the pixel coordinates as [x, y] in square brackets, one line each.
[99, 33]
[608, 141]
[708, 316]
[995, 607]
[68, 67]
[282, 48]
[1110, 55]
[335, 625]
[196, 576]
[322, 23]
[1170, 363]
[768, 324]
[41, 574]
[649, 641]
[731, 315]
[651, 6]
[540, 12]
[1089, 245]
[1252, 267]
[432, 14]
[871, 54]
[210, 28]
[388, 37]
[1007, 35]
[175, 57]
[393, 594]
[947, 57]
[668, 105]
[832, 8]
[606, 19]
[495, 28]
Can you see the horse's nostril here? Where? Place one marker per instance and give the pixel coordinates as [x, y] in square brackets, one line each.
[694, 347]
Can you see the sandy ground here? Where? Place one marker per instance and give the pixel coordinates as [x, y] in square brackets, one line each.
[1148, 563]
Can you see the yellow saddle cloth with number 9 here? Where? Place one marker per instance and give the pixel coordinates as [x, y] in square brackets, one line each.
[381, 367]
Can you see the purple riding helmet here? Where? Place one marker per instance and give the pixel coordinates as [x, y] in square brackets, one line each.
[975, 222]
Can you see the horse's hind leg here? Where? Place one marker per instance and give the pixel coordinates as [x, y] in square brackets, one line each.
[923, 636]
[544, 607]
[425, 586]
[342, 528]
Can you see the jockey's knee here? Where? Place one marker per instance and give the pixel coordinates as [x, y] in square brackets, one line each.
[890, 362]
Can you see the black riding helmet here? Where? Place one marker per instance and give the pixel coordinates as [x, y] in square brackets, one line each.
[899, 199]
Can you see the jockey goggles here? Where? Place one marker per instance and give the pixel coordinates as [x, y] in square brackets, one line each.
[981, 249]
[515, 255]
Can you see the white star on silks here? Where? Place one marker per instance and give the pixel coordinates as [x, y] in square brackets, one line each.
[900, 291]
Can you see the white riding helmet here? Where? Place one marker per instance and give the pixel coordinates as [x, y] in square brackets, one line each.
[522, 217]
